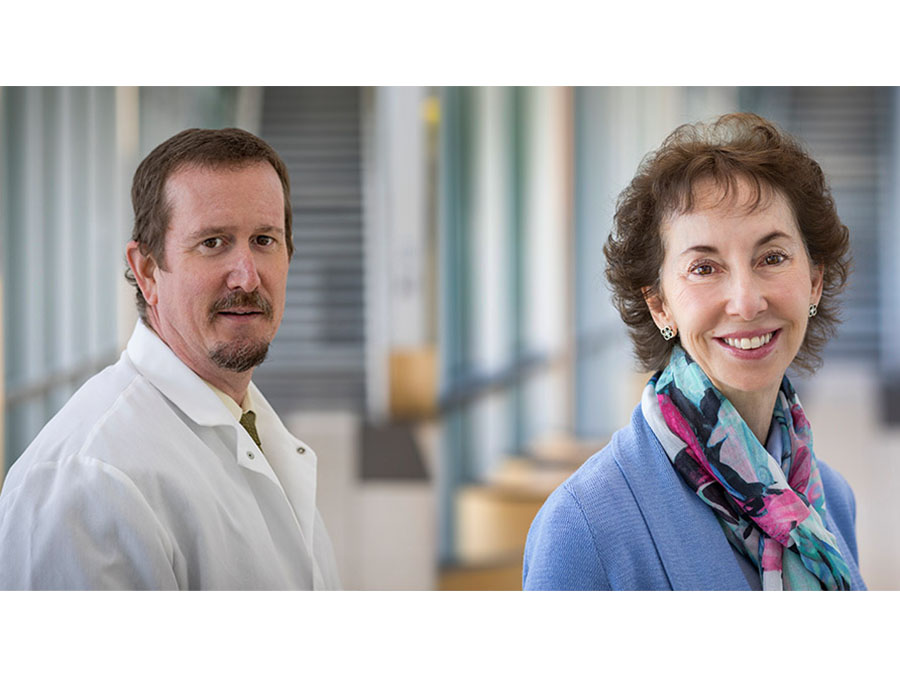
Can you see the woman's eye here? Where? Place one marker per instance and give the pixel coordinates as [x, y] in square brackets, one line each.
[774, 258]
[702, 269]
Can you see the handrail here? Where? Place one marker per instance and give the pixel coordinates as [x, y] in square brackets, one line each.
[18, 393]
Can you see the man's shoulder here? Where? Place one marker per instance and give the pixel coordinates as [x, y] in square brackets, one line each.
[112, 399]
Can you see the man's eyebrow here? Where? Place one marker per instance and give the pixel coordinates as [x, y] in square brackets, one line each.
[211, 231]
[709, 249]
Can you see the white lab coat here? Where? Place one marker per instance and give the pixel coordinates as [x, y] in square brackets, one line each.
[144, 480]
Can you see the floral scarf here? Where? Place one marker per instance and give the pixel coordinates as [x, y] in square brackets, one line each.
[773, 514]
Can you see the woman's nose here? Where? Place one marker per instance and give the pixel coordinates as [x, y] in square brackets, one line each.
[747, 296]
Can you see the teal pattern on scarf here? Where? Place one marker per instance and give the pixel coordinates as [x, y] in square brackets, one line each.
[773, 514]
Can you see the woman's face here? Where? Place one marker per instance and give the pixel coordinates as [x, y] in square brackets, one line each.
[737, 285]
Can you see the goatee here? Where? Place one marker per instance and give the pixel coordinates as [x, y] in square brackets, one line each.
[243, 354]
[239, 356]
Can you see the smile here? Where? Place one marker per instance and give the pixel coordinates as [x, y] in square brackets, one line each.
[748, 343]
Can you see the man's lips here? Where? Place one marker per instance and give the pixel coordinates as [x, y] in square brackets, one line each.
[241, 305]
[241, 314]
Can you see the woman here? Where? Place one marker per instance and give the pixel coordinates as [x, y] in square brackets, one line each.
[725, 262]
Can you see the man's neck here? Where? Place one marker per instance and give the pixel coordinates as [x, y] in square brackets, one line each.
[237, 391]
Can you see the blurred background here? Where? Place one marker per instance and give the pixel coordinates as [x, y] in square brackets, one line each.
[448, 347]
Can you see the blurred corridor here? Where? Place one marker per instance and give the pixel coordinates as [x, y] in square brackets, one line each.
[448, 346]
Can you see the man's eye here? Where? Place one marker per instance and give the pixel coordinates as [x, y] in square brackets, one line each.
[212, 243]
[265, 240]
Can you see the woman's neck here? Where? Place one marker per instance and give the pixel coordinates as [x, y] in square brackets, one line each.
[755, 409]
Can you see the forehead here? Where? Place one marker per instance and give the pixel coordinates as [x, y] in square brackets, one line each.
[194, 191]
[731, 213]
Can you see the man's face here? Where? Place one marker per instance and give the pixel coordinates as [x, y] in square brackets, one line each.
[220, 299]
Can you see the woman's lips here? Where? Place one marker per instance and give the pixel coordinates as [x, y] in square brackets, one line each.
[749, 339]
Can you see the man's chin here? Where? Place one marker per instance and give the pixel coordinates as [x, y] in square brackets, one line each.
[239, 356]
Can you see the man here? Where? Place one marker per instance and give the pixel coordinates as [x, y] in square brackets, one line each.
[169, 470]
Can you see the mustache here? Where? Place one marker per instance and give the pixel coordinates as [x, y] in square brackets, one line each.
[243, 300]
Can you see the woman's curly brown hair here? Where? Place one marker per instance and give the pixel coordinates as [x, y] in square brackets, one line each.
[738, 146]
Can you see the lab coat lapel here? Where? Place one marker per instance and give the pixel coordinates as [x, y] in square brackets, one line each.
[689, 541]
[298, 478]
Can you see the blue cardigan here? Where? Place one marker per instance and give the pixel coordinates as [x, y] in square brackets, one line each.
[627, 521]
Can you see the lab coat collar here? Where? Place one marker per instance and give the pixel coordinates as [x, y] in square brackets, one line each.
[179, 383]
[161, 367]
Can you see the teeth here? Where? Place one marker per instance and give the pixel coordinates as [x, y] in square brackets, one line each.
[750, 343]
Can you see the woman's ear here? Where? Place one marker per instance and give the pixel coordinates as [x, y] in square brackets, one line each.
[818, 283]
[658, 308]
[145, 271]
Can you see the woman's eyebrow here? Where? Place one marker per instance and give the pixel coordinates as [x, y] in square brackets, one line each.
[709, 249]
[701, 249]
[774, 235]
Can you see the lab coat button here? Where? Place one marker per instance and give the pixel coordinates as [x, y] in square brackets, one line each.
[250, 454]
[301, 450]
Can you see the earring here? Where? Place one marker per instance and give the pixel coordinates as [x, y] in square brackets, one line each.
[667, 333]
[813, 309]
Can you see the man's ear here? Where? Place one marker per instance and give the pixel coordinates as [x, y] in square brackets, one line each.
[144, 269]
[659, 311]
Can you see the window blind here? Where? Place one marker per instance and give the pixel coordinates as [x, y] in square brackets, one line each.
[317, 360]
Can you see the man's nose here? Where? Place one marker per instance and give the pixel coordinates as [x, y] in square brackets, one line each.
[747, 296]
[243, 273]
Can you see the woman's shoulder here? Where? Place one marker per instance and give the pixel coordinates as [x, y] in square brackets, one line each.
[840, 504]
[835, 485]
[629, 455]
[565, 546]
[599, 481]
[591, 523]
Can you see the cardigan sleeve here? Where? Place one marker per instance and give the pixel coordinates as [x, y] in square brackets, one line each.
[560, 552]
